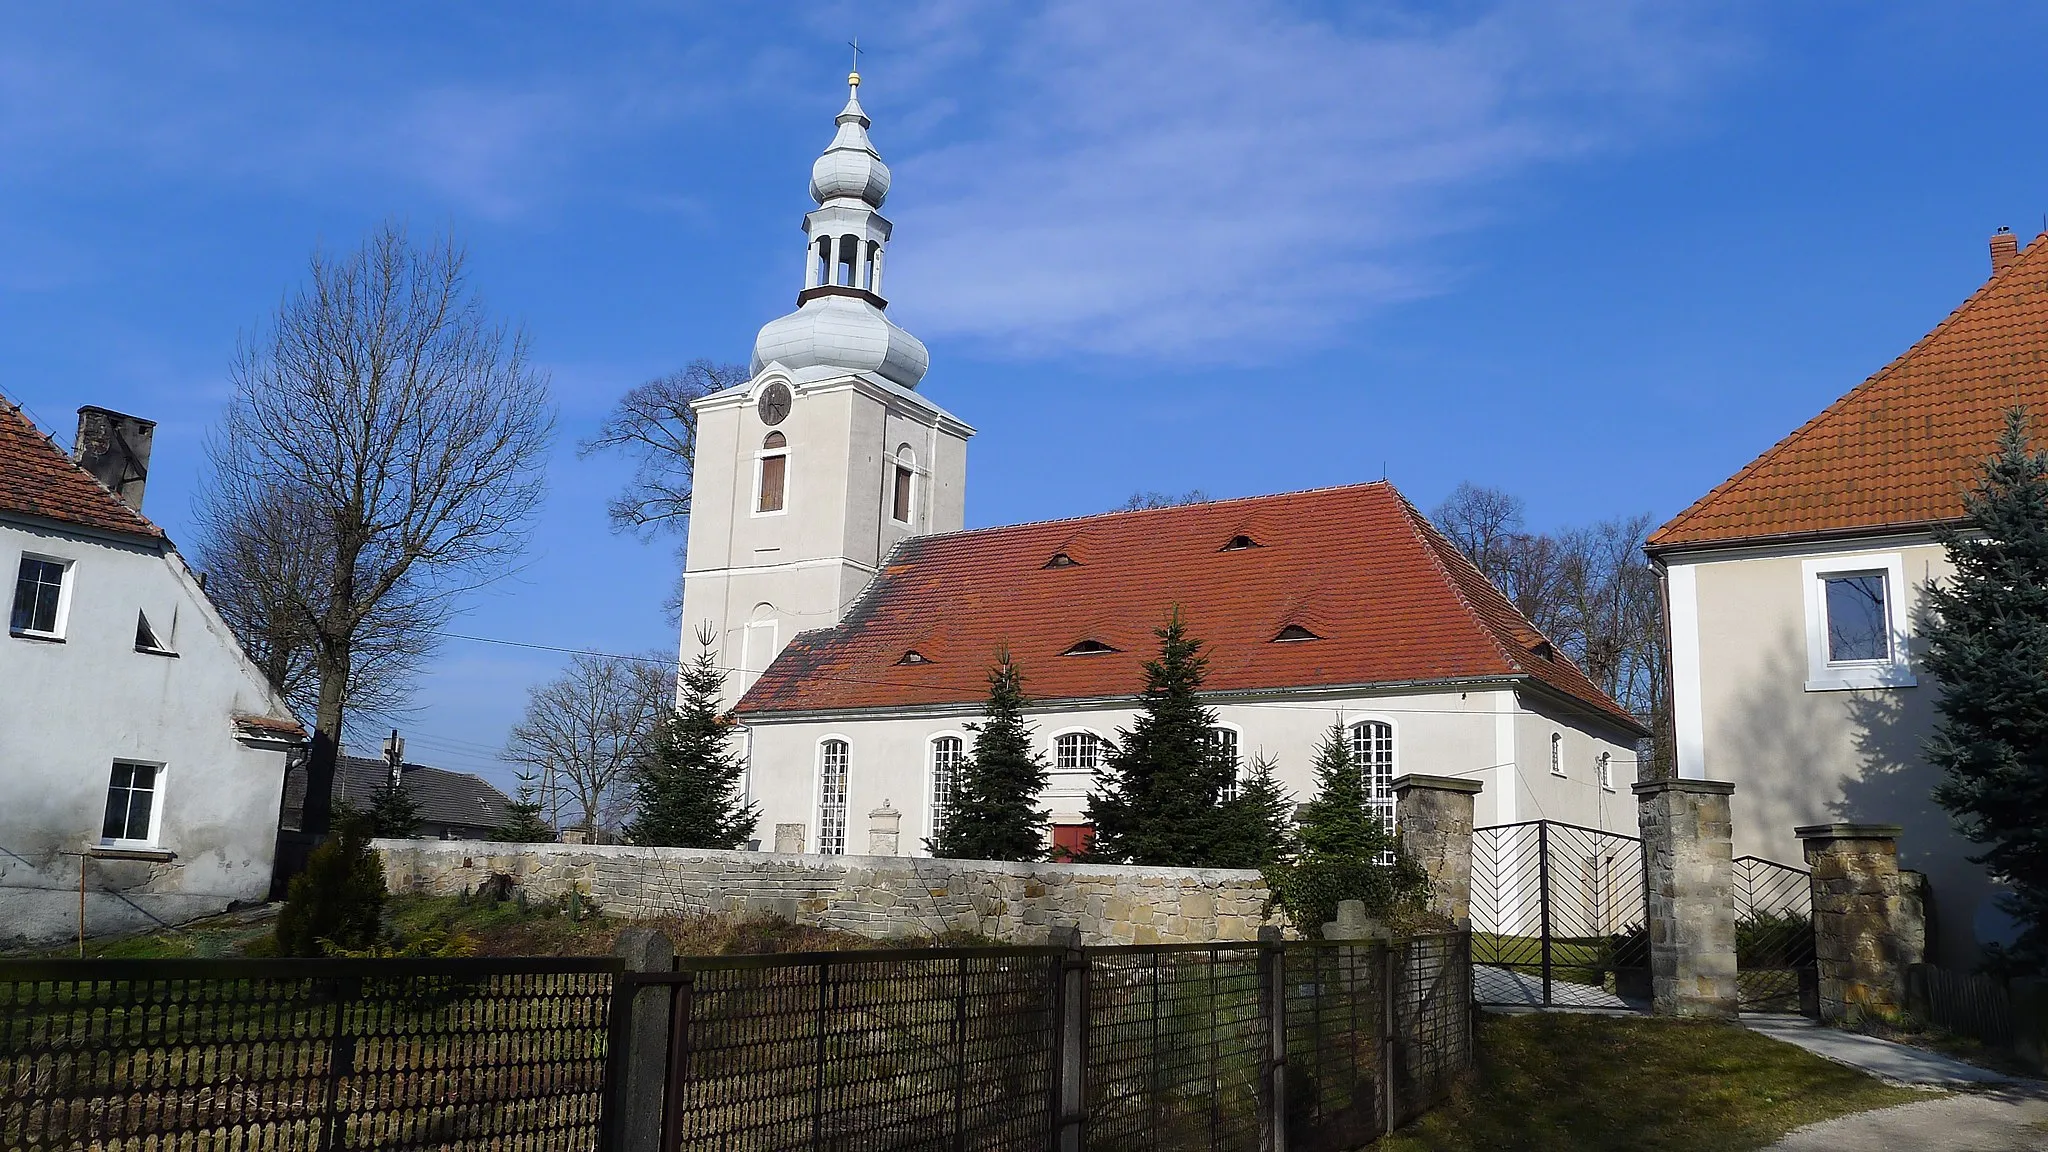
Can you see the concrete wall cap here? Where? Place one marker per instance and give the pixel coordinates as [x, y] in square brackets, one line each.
[1703, 787]
[1409, 780]
[1848, 831]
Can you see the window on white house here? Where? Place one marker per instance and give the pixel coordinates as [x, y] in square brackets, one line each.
[1856, 622]
[774, 473]
[1224, 740]
[1372, 749]
[146, 638]
[1604, 765]
[1077, 751]
[38, 597]
[947, 753]
[131, 804]
[834, 757]
[1556, 754]
[1859, 628]
[904, 487]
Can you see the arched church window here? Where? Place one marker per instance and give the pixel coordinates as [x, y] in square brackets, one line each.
[774, 474]
[1372, 750]
[1077, 751]
[834, 758]
[903, 486]
[849, 256]
[947, 754]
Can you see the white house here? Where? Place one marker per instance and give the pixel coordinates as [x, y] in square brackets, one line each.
[826, 562]
[142, 755]
[1796, 589]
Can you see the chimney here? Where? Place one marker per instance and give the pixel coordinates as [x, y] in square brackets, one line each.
[114, 447]
[2005, 248]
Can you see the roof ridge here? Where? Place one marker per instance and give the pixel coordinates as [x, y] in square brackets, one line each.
[2032, 251]
[1428, 537]
[1052, 520]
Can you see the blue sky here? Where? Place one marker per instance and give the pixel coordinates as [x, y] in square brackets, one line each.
[1596, 253]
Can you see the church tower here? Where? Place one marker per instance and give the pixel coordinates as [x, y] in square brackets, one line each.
[810, 472]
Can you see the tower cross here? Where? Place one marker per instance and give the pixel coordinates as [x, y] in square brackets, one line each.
[855, 45]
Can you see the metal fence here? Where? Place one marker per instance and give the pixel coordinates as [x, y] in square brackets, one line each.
[1775, 969]
[198, 1055]
[1225, 1046]
[1559, 915]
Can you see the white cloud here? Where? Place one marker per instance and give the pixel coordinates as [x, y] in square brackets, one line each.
[1181, 179]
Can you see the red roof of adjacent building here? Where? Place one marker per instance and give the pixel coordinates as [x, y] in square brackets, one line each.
[37, 479]
[1901, 449]
[1391, 600]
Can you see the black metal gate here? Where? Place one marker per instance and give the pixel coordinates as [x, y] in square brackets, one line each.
[1774, 957]
[1558, 915]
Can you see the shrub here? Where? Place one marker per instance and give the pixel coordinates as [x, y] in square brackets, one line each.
[1341, 850]
[338, 901]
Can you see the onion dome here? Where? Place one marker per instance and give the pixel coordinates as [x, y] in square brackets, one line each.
[850, 167]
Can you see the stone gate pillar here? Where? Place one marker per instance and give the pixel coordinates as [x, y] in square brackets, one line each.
[1868, 926]
[1434, 815]
[1689, 872]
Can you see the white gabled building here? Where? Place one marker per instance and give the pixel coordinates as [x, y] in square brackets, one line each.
[142, 755]
[828, 567]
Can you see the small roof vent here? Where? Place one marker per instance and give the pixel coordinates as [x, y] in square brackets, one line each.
[913, 656]
[1062, 560]
[1088, 648]
[1543, 649]
[1295, 632]
[1239, 543]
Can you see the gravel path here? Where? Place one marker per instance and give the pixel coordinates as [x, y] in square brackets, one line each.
[2002, 1119]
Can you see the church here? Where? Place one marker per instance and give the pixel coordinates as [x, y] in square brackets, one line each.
[829, 570]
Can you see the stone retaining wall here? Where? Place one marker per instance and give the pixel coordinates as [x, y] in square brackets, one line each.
[877, 896]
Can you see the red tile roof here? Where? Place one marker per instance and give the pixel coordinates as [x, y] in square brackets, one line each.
[1901, 448]
[1392, 600]
[37, 479]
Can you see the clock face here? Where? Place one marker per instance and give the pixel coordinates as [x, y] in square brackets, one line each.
[774, 403]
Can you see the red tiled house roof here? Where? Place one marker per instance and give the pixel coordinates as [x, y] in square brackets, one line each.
[38, 480]
[1901, 448]
[1392, 601]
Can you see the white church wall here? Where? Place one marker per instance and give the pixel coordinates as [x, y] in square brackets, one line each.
[1450, 733]
[70, 710]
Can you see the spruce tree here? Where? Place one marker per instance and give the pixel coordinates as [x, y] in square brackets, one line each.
[1341, 850]
[686, 782]
[1260, 820]
[337, 903]
[525, 823]
[994, 813]
[1160, 790]
[1987, 644]
[393, 813]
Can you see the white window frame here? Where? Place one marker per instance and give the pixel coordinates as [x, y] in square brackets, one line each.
[845, 800]
[1824, 675]
[1388, 808]
[931, 779]
[156, 806]
[1052, 748]
[1603, 769]
[905, 460]
[761, 456]
[66, 581]
[1237, 774]
[1557, 754]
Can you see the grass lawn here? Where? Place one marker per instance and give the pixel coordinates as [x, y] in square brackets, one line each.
[1599, 1083]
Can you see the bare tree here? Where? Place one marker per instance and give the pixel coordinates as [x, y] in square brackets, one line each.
[383, 451]
[585, 729]
[655, 426]
[1142, 501]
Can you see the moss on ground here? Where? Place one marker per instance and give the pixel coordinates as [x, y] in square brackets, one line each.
[1598, 1083]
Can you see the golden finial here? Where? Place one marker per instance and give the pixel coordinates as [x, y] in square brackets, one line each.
[853, 79]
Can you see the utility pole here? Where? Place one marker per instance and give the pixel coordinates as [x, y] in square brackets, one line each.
[394, 756]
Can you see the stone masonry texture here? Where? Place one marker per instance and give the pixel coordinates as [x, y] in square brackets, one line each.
[1435, 818]
[882, 897]
[1868, 919]
[1689, 865]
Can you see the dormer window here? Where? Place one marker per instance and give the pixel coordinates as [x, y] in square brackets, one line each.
[1062, 560]
[1543, 650]
[1294, 632]
[1088, 648]
[1239, 543]
[913, 656]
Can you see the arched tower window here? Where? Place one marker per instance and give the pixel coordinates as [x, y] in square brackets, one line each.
[849, 260]
[834, 759]
[772, 490]
[1557, 753]
[1372, 749]
[903, 485]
